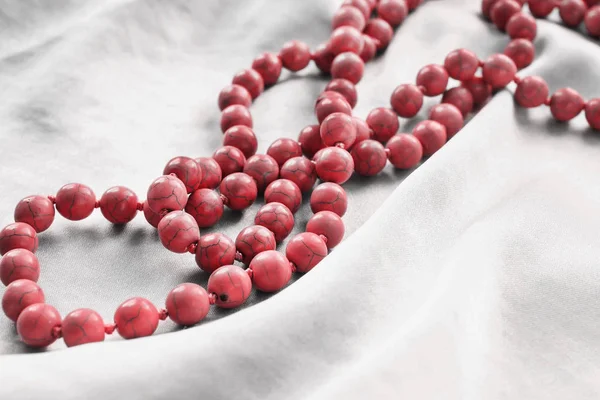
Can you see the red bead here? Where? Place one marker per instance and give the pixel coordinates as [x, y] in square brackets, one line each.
[19, 295]
[235, 115]
[119, 204]
[522, 26]
[230, 160]
[381, 31]
[348, 66]
[565, 104]
[283, 149]
[285, 192]
[369, 48]
[502, 10]
[240, 190]
[306, 250]
[361, 5]
[433, 78]
[532, 91]
[187, 304]
[37, 211]
[19, 264]
[82, 326]
[384, 123]
[271, 271]
[412, 4]
[592, 21]
[572, 12]
[234, 94]
[36, 325]
[345, 39]
[295, 55]
[486, 5]
[449, 116]
[231, 285]
[268, 65]
[18, 235]
[263, 169]
[592, 113]
[152, 217]
[211, 172]
[461, 64]
[277, 218]
[460, 97]
[405, 151]
[301, 171]
[363, 132]
[136, 317]
[206, 206]
[348, 16]
[251, 81]
[499, 70]
[310, 140]
[345, 88]
[338, 128]
[323, 58]
[214, 251]
[334, 165]
[166, 193]
[329, 104]
[407, 100]
[521, 51]
[177, 231]
[242, 138]
[369, 158]
[431, 134]
[329, 196]
[75, 201]
[392, 11]
[541, 8]
[253, 240]
[328, 224]
[480, 90]
[592, 3]
[187, 170]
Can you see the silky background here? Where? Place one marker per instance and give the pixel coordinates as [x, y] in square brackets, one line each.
[474, 277]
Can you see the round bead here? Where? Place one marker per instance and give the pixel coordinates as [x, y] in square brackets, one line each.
[521, 51]
[405, 151]
[136, 317]
[177, 231]
[231, 285]
[310, 140]
[18, 236]
[323, 58]
[460, 97]
[431, 134]
[541, 8]
[119, 204]
[253, 240]
[345, 39]
[306, 250]
[328, 224]
[295, 55]
[345, 88]
[392, 11]
[363, 132]
[285, 192]
[268, 65]
[214, 251]
[449, 116]
[348, 16]
[36, 325]
[250, 80]
[532, 91]
[433, 78]
[461, 64]
[241, 137]
[499, 70]
[19, 295]
[152, 217]
[82, 326]
[187, 304]
[348, 66]
[211, 173]
[283, 149]
[187, 170]
[384, 123]
[19, 264]
[75, 201]
[407, 100]
[230, 160]
[522, 26]
[592, 21]
[361, 5]
[381, 31]
[331, 104]
[301, 171]
[263, 169]
[592, 113]
[235, 115]
[277, 218]
[412, 4]
[329, 196]
[572, 12]
[369, 48]
[502, 10]
[240, 190]
[565, 104]
[480, 90]
[206, 206]
[334, 165]
[486, 5]
[166, 193]
[369, 158]
[271, 271]
[338, 128]
[234, 94]
[37, 211]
